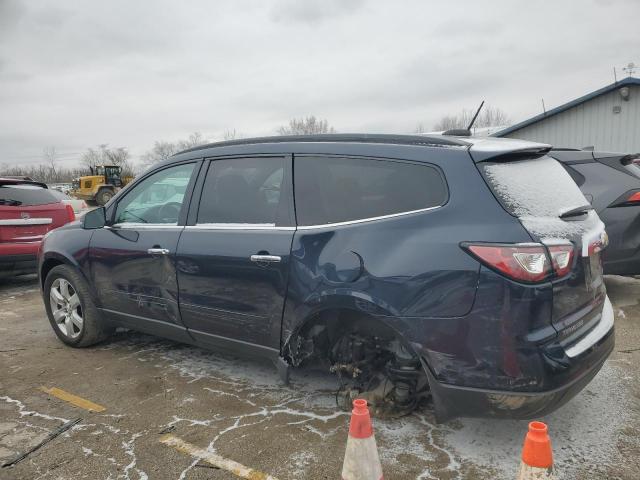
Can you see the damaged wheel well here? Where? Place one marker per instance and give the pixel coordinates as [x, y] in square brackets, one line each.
[332, 324]
[370, 359]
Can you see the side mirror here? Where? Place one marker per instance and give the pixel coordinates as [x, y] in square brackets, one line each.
[94, 219]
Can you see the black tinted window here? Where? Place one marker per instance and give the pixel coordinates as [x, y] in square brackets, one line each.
[333, 189]
[24, 195]
[243, 190]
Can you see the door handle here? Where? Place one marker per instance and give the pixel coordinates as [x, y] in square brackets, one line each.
[265, 258]
[158, 251]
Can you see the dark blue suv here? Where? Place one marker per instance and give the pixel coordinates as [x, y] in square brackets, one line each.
[466, 270]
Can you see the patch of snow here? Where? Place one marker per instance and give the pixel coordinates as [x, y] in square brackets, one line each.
[538, 192]
[539, 188]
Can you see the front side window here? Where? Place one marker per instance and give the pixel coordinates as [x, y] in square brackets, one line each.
[340, 189]
[157, 199]
[243, 191]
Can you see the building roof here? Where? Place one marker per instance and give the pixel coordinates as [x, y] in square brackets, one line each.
[573, 103]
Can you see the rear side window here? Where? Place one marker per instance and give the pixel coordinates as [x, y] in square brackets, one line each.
[341, 189]
[539, 187]
[244, 191]
[25, 195]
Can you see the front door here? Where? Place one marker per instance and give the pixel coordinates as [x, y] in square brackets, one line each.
[133, 258]
[233, 257]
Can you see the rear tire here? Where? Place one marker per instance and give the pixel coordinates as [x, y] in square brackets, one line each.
[104, 196]
[70, 308]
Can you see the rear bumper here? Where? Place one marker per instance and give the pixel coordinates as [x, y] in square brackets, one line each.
[12, 265]
[574, 366]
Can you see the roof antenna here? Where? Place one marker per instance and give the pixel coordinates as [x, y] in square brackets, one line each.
[473, 120]
[464, 132]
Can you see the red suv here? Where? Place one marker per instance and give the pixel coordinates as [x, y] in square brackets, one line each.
[28, 210]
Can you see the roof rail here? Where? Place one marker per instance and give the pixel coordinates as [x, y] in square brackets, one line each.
[426, 140]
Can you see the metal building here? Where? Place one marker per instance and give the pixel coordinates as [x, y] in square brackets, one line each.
[605, 120]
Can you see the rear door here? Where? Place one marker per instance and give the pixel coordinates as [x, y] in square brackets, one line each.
[233, 257]
[551, 207]
[28, 212]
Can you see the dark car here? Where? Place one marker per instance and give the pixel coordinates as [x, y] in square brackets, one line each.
[468, 270]
[611, 182]
[28, 210]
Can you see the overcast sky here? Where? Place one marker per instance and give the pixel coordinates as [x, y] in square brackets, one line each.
[75, 74]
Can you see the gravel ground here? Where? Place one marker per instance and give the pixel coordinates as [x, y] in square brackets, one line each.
[238, 409]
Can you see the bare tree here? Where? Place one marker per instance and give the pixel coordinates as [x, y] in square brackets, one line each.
[231, 134]
[306, 126]
[104, 155]
[489, 117]
[91, 158]
[194, 140]
[50, 156]
[420, 128]
[42, 172]
[162, 149]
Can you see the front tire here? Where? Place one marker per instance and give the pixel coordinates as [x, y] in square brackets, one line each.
[70, 308]
[104, 196]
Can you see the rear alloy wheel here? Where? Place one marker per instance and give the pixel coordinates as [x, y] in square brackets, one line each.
[66, 308]
[71, 311]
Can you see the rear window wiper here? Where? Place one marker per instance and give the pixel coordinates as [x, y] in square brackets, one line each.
[8, 201]
[576, 212]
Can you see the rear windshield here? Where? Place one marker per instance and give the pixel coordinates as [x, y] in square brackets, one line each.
[59, 195]
[538, 188]
[25, 195]
[537, 191]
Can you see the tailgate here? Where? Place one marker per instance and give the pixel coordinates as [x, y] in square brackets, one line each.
[22, 224]
[551, 207]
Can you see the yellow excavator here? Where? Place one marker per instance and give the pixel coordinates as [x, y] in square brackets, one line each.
[101, 185]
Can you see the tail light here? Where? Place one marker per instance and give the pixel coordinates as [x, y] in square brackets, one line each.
[525, 262]
[627, 199]
[561, 258]
[631, 160]
[70, 213]
[634, 198]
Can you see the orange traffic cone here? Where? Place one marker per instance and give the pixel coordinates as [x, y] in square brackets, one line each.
[537, 457]
[361, 461]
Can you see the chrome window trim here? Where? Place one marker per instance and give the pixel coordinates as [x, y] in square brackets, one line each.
[145, 226]
[237, 226]
[370, 219]
[26, 221]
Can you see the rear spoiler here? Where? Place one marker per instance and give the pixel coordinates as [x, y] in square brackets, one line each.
[505, 149]
[15, 181]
